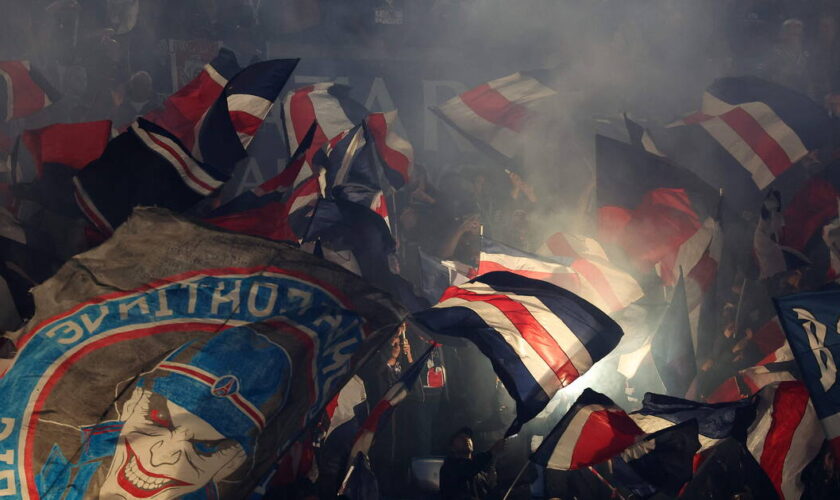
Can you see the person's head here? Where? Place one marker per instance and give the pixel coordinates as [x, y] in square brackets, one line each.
[140, 87]
[196, 418]
[792, 33]
[461, 443]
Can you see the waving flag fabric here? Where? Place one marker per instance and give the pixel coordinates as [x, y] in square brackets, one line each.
[538, 337]
[23, 90]
[227, 129]
[600, 282]
[383, 409]
[163, 329]
[758, 126]
[145, 165]
[810, 321]
[326, 104]
[672, 347]
[347, 410]
[182, 111]
[276, 209]
[57, 152]
[395, 153]
[658, 463]
[587, 279]
[716, 422]
[494, 115]
[592, 431]
[785, 436]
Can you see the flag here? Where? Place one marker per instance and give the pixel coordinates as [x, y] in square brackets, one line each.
[360, 482]
[600, 282]
[23, 90]
[810, 322]
[343, 225]
[58, 152]
[183, 110]
[576, 275]
[273, 209]
[328, 105]
[538, 337]
[771, 256]
[810, 209]
[494, 115]
[395, 153]
[347, 411]
[785, 436]
[384, 408]
[145, 165]
[230, 124]
[672, 348]
[171, 328]
[658, 463]
[640, 137]
[592, 431]
[625, 174]
[715, 422]
[752, 125]
[831, 238]
[660, 215]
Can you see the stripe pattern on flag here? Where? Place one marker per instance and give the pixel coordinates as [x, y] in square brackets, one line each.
[592, 431]
[539, 337]
[495, 113]
[601, 282]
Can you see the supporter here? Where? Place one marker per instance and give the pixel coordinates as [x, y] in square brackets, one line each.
[465, 476]
[788, 62]
[139, 98]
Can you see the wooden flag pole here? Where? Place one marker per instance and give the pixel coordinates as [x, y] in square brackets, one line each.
[516, 479]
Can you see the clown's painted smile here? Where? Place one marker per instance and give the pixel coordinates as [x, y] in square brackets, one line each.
[141, 483]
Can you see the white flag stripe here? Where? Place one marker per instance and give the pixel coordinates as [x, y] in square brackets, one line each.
[190, 172]
[806, 443]
[534, 363]
[328, 111]
[730, 140]
[501, 138]
[559, 331]
[521, 89]
[523, 263]
[652, 423]
[774, 126]
[396, 141]
[561, 456]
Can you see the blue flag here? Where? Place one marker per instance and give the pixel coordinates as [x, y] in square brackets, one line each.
[811, 324]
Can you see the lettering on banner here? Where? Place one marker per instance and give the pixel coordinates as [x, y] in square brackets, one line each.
[8, 487]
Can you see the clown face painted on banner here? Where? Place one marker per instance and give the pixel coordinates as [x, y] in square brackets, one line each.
[194, 420]
[165, 451]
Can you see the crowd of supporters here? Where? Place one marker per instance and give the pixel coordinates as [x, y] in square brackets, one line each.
[110, 60]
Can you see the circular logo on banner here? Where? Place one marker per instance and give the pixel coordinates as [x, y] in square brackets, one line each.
[226, 386]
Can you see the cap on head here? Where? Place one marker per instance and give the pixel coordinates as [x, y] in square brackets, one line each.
[233, 381]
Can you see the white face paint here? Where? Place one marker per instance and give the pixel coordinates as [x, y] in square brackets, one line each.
[165, 452]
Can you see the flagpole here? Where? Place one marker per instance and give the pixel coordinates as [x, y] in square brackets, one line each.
[516, 479]
[606, 483]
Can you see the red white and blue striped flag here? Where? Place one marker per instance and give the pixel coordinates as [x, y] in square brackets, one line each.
[494, 115]
[326, 104]
[184, 109]
[538, 337]
[380, 413]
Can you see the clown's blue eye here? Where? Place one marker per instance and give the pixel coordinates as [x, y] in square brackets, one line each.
[205, 448]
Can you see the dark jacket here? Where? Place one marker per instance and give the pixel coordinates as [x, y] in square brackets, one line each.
[467, 479]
